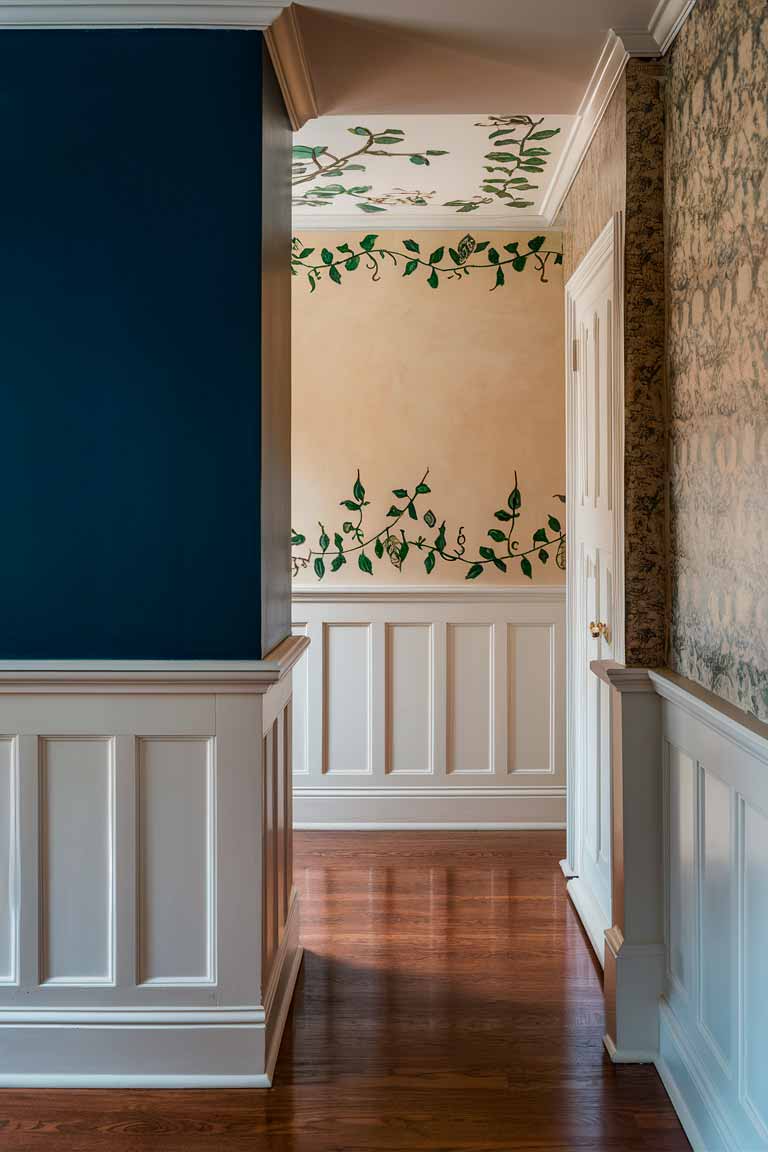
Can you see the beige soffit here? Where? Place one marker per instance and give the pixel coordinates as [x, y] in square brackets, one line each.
[253, 14]
[286, 49]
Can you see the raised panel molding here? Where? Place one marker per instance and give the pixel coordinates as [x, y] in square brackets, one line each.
[430, 707]
[9, 861]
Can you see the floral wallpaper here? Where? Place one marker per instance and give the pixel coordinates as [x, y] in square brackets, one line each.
[716, 160]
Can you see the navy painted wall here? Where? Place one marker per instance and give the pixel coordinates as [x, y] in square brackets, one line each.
[130, 344]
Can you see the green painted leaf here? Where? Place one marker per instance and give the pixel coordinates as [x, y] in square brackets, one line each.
[440, 541]
[327, 256]
[404, 550]
[337, 562]
[364, 206]
[319, 567]
[410, 267]
[437, 255]
[519, 263]
[501, 157]
[359, 190]
[511, 247]
[343, 248]
[302, 152]
[422, 489]
[540, 536]
[324, 541]
[515, 499]
[411, 245]
[352, 263]
[430, 519]
[368, 242]
[469, 208]
[454, 255]
[482, 245]
[499, 279]
[378, 548]
[351, 505]
[502, 567]
[486, 553]
[543, 555]
[525, 565]
[297, 538]
[497, 535]
[395, 511]
[338, 540]
[305, 252]
[536, 243]
[502, 514]
[347, 526]
[436, 152]
[429, 562]
[433, 280]
[553, 523]
[358, 491]
[493, 256]
[475, 571]
[354, 167]
[412, 511]
[558, 257]
[364, 564]
[359, 131]
[335, 275]
[416, 159]
[401, 493]
[544, 134]
[386, 139]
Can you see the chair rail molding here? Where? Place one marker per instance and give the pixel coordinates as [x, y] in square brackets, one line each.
[257, 15]
[426, 707]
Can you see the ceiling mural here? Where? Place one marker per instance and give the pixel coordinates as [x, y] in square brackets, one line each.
[425, 170]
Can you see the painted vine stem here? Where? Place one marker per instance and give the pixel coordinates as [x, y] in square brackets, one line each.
[460, 263]
[317, 163]
[393, 540]
[519, 154]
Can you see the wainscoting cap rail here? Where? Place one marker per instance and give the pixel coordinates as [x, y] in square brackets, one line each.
[180, 676]
[441, 594]
[253, 14]
[725, 718]
[622, 678]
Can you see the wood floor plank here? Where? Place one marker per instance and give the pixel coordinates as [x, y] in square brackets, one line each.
[448, 1000]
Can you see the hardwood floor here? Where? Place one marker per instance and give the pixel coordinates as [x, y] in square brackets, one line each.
[448, 1000]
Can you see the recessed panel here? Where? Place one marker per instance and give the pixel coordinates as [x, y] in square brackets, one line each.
[301, 709]
[682, 864]
[175, 860]
[755, 951]
[409, 698]
[347, 695]
[470, 698]
[529, 680]
[76, 860]
[718, 979]
[8, 815]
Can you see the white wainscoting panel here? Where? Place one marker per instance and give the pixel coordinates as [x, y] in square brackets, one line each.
[76, 814]
[9, 814]
[714, 1014]
[429, 706]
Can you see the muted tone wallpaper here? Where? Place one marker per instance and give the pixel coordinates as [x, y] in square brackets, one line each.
[717, 251]
[428, 408]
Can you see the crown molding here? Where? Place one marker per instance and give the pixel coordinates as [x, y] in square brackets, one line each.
[402, 222]
[667, 20]
[285, 44]
[602, 84]
[252, 14]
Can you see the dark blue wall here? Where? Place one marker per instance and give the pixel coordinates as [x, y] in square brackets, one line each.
[130, 249]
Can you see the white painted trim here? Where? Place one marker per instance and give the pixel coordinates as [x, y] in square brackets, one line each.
[255, 15]
[622, 1056]
[131, 1080]
[429, 826]
[667, 20]
[433, 594]
[285, 44]
[402, 222]
[723, 718]
[590, 914]
[439, 793]
[600, 88]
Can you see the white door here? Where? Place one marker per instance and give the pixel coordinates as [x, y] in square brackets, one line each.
[595, 566]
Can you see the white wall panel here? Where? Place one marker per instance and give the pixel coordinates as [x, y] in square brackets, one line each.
[176, 860]
[429, 706]
[8, 860]
[347, 698]
[469, 745]
[531, 689]
[755, 960]
[76, 860]
[718, 913]
[682, 869]
[409, 711]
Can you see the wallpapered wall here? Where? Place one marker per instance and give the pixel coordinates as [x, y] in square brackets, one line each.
[716, 204]
[430, 369]
[623, 171]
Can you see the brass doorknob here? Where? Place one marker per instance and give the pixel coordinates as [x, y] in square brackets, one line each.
[598, 628]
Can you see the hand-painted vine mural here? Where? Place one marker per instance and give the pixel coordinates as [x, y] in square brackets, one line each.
[517, 153]
[469, 255]
[311, 163]
[395, 542]
[325, 168]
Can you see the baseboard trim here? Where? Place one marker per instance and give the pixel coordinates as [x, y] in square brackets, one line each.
[428, 826]
[628, 1056]
[379, 808]
[590, 914]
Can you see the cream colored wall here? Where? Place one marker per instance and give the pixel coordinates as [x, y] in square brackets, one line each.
[394, 377]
